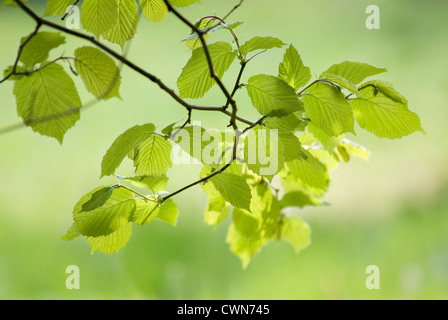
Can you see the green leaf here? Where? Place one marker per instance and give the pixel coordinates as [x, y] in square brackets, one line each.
[292, 70]
[99, 198]
[246, 223]
[261, 152]
[329, 160]
[99, 73]
[113, 242]
[155, 184]
[57, 7]
[307, 170]
[124, 144]
[355, 72]
[384, 117]
[343, 83]
[153, 157]
[15, 77]
[328, 142]
[192, 40]
[298, 199]
[145, 212]
[154, 10]
[206, 27]
[126, 26]
[285, 124]
[195, 80]
[11, 3]
[386, 89]
[328, 109]
[168, 212]
[234, 189]
[71, 234]
[99, 16]
[270, 94]
[355, 150]
[48, 101]
[194, 139]
[243, 247]
[217, 208]
[261, 43]
[114, 214]
[296, 232]
[37, 49]
[265, 206]
[183, 3]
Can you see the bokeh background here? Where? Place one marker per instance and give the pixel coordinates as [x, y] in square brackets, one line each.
[391, 211]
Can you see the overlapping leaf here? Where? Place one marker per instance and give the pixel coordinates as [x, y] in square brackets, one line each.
[328, 109]
[195, 80]
[98, 71]
[383, 116]
[48, 101]
[270, 94]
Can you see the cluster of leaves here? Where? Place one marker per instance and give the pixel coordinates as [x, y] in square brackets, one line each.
[309, 120]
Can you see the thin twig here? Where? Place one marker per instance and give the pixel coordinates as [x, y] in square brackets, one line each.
[233, 9]
[71, 8]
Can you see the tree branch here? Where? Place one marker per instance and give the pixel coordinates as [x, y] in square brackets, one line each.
[40, 22]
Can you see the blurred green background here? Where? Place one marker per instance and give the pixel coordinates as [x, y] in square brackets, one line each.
[391, 211]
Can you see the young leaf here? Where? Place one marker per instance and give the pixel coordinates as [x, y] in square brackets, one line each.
[261, 43]
[114, 214]
[265, 206]
[343, 83]
[296, 232]
[298, 199]
[292, 70]
[99, 16]
[48, 101]
[124, 144]
[355, 150]
[99, 73]
[113, 242]
[270, 94]
[386, 89]
[37, 49]
[329, 110]
[261, 152]
[195, 80]
[126, 26]
[13, 2]
[56, 7]
[168, 212]
[71, 234]
[384, 117]
[355, 72]
[154, 10]
[14, 77]
[145, 212]
[286, 124]
[193, 41]
[328, 142]
[183, 3]
[246, 223]
[206, 27]
[153, 157]
[155, 184]
[217, 208]
[329, 160]
[234, 189]
[308, 171]
[99, 198]
[241, 246]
